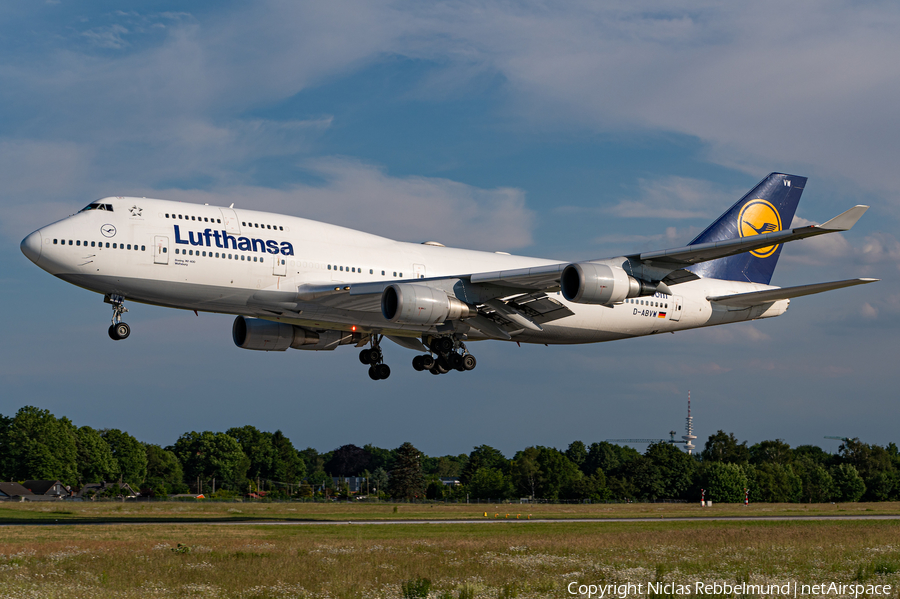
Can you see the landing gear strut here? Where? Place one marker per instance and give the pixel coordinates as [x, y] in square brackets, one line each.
[450, 353]
[372, 356]
[118, 330]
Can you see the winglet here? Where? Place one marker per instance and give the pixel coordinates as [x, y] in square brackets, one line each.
[845, 220]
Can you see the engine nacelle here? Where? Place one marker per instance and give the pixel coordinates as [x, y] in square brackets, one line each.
[592, 283]
[407, 303]
[265, 335]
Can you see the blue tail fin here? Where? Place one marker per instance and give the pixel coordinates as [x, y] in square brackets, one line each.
[768, 207]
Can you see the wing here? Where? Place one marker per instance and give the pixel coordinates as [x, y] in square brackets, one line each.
[504, 303]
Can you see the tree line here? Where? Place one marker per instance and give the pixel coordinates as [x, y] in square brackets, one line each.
[36, 445]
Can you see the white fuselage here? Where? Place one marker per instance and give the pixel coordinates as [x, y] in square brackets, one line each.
[212, 259]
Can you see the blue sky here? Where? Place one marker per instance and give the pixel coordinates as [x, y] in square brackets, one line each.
[567, 130]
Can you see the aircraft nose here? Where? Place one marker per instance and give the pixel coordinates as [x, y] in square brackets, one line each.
[31, 246]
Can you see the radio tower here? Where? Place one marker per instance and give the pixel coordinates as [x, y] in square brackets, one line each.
[689, 429]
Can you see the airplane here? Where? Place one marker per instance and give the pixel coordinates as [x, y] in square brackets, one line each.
[302, 284]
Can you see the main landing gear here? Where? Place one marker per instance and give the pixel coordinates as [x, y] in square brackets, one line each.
[118, 330]
[451, 355]
[372, 356]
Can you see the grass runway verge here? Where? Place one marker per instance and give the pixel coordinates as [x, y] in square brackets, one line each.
[461, 561]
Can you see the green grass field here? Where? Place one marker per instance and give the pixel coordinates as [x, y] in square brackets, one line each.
[462, 561]
[106, 511]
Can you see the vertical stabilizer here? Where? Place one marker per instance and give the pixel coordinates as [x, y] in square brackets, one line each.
[768, 207]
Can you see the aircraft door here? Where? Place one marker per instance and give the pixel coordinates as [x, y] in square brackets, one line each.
[160, 249]
[280, 266]
[675, 307]
[419, 269]
[230, 220]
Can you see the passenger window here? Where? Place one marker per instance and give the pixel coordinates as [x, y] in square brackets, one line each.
[329, 267]
[371, 272]
[92, 243]
[193, 218]
[78, 242]
[179, 217]
[219, 220]
[167, 215]
[242, 257]
[206, 220]
[70, 242]
[256, 225]
[382, 273]
[268, 226]
[54, 242]
[165, 249]
[281, 228]
[129, 246]
[107, 244]
[143, 248]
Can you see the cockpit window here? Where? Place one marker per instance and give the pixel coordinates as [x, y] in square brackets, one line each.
[97, 206]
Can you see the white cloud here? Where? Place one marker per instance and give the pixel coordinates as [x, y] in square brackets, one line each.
[674, 198]
[361, 196]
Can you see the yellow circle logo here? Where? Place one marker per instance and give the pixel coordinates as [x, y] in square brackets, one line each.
[756, 217]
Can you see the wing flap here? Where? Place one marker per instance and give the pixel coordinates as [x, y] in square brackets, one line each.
[754, 298]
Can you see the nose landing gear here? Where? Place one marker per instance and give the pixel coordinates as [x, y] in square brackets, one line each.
[451, 355]
[372, 356]
[118, 330]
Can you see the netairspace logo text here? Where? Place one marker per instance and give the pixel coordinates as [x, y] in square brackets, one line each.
[793, 589]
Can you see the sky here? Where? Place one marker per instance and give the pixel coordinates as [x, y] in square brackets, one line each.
[567, 130]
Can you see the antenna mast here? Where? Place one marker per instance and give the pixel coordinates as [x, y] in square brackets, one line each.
[689, 429]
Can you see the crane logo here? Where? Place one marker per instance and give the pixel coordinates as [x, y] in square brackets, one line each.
[758, 217]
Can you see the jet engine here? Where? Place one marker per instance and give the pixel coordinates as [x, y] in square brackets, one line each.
[406, 303]
[265, 335]
[593, 283]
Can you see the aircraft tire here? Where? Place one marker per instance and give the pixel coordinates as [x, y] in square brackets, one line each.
[119, 331]
[419, 363]
[364, 356]
[469, 362]
[373, 373]
[441, 366]
[427, 362]
[383, 371]
[444, 344]
[434, 370]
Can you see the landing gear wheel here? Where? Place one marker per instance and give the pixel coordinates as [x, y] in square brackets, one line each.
[119, 331]
[469, 362]
[434, 370]
[427, 362]
[373, 373]
[383, 371]
[419, 363]
[364, 356]
[374, 355]
[444, 344]
[455, 362]
[441, 366]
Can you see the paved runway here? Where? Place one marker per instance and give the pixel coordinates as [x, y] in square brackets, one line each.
[496, 521]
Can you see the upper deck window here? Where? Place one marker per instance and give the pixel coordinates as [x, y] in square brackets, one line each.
[97, 206]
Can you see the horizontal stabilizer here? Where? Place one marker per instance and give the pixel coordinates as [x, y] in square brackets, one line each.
[755, 298]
